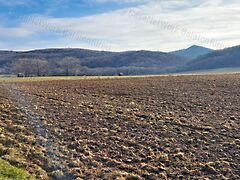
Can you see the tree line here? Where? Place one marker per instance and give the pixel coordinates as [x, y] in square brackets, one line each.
[67, 66]
[70, 66]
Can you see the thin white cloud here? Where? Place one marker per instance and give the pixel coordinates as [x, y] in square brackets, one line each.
[15, 32]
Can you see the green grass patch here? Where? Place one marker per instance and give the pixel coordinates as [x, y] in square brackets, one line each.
[9, 172]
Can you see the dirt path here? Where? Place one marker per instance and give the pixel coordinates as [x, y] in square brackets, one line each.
[43, 138]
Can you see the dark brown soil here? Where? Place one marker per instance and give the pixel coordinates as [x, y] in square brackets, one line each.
[131, 128]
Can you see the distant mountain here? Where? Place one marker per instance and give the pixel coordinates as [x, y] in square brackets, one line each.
[192, 52]
[160, 62]
[227, 58]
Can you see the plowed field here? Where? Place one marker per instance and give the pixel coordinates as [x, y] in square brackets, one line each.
[176, 127]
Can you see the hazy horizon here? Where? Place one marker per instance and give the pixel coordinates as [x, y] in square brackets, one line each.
[27, 50]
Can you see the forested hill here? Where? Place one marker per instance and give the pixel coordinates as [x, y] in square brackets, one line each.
[130, 61]
[227, 58]
[90, 62]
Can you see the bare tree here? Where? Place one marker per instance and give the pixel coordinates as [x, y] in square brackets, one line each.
[30, 67]
[70, 65]
[41, 67]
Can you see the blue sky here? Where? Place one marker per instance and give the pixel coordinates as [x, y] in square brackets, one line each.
[13, 10]
[119, 25]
